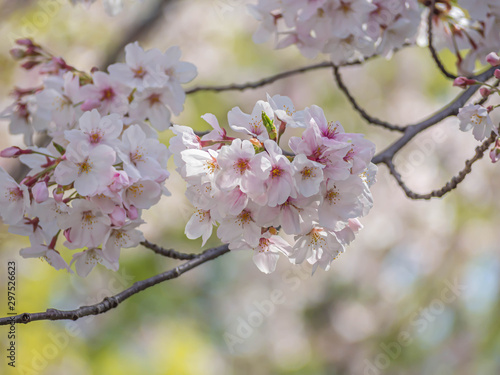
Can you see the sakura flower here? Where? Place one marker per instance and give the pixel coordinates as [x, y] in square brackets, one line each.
[340, 201]
[110, 94]
[285, 112]
[316, 246]
[95, 130]
[139, 69]
[90, 169]
[266, 253]
[57, 101]
[218, 133]
[125, 237]
[251, 124]
[142, 194]
[14, 199]
[240, 227]
[240, 166]
[86, 260]
[476, 117]
[201, 166]
[280, 183]
[50, 255]
[200, 225]
[176, 71]
[89, 226]
[24, 119]
[308, 175]
[152, 104]
[143, 157]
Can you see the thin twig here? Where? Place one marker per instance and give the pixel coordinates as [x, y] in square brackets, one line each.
[170, 253]
[450, 185]
[372, 120]
[276, 77]
[412, 130]
[434, 54]
[109, 303]
[261, 82]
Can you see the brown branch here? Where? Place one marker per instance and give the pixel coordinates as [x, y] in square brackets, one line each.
[450, 185]
[372, 120]
[434, 54]
[286, 74]
[170, 253]
[412, 130]
[109, 303]
[261, 82]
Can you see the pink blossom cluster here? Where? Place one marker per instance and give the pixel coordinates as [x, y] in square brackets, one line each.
[476, 117]
[251, 188]
[104, 165]
[468, 28]
[350, 30]
[347, 30]
[148, 86]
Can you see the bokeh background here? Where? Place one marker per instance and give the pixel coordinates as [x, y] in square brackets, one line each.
[416, 293]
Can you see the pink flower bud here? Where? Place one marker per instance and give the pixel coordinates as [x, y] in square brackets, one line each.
[90, 104]
[118, 216]
[10, 152]
[67, 234]
[485, 92]
[495, 155]
[58, 194]
[497, 73]
[120, 180]
[493, 59]
[463, 82]
[17, 53]
[28, 65]
[25, 42]
[40, 192]
[132, 213]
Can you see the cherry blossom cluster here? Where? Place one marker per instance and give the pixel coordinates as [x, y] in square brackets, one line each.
[476, 117]
[251, 188]
[351, 30]
[104, 164]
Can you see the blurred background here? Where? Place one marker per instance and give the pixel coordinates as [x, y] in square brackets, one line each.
[416, 293]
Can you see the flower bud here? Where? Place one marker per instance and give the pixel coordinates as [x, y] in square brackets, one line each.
[118, 216]
[463, 82]
[493, 59]
[25, 42]
[497, 73]
[58, 194]
[17, 53]
[28, 65]
[40, 192]
[11, 152]
[485, 92]
[132, 213]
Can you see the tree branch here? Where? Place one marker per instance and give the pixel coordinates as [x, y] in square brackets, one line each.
[450, 110]
[261, 82]
[268, 80]
[357, 108]
[170, 253]
[450, 185]
[109, 303]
